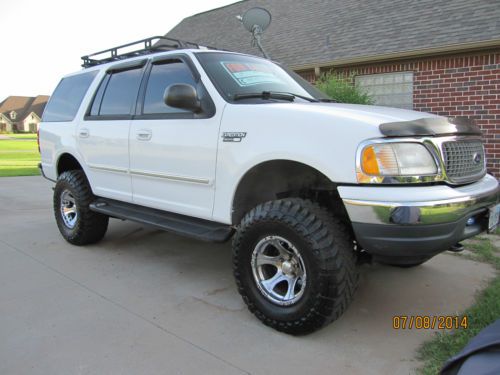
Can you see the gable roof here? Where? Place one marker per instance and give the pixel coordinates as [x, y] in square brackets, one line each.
[39, 104]
[319, 32]
[4, 118]
[19, 104]
[24, 106]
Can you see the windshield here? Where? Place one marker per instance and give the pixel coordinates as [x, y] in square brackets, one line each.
[236, 75]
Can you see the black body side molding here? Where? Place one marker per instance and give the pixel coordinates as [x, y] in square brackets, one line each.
[171, 222]
[430, 127]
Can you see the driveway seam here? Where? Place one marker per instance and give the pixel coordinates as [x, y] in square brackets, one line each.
[120, 306]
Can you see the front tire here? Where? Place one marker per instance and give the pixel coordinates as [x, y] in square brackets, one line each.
[76, 222]
[294, 265]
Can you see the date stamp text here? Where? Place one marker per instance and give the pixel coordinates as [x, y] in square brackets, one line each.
[430, 322]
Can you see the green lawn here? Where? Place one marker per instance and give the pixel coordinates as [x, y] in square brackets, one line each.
[19, 157]
[485, 311]
[22, 136]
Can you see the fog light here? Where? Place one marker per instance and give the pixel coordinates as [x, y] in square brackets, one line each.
[470, 221]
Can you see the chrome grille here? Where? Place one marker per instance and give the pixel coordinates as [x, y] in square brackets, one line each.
[464, 160]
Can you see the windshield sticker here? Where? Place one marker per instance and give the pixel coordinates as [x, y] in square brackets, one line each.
[250, 74]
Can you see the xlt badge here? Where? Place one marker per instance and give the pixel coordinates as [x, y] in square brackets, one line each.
[233, 136]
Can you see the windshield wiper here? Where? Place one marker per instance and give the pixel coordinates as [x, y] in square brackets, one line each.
[312, 100]
[280, 96]
[266, 95]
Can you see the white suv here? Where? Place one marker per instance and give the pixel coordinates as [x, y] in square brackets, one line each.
[212, 144]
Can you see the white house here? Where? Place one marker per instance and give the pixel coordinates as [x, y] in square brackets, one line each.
[21, 113]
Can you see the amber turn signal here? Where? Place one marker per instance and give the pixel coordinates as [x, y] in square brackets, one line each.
[369, 161]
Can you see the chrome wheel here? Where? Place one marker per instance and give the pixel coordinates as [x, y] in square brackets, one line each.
[278, 270]
[69, 212]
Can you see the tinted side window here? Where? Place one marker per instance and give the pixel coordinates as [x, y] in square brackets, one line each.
[121, 92]
[162, 76]
[67, 97]
[96, 104]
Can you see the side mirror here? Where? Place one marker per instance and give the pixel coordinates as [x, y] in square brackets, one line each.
[183, 96]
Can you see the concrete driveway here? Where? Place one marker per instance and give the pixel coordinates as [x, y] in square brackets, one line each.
[148, 302]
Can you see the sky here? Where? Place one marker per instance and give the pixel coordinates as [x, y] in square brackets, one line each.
[44, 40]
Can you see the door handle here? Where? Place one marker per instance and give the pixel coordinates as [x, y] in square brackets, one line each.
[144, 134]
[84, 133]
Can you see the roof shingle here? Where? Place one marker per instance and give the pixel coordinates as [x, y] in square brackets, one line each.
[324, 31]
[23, 106]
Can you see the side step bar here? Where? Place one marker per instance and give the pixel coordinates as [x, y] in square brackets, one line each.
[179, 224]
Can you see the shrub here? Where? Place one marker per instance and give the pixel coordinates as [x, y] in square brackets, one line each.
[342, 89]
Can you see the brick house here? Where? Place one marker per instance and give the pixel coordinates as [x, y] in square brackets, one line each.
[437, 56]
[21, 113]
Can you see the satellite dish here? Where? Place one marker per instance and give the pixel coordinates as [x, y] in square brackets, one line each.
[256, 20]
[257, 16]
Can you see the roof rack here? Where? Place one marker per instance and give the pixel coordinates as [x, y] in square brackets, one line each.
[161, 44]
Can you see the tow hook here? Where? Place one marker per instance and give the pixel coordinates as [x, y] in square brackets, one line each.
[458, 247]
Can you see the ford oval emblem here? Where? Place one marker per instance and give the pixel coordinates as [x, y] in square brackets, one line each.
[477, 158]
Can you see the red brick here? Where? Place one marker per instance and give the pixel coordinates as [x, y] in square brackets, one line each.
[457, 85]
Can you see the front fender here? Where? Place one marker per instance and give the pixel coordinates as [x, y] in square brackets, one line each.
[275, 133]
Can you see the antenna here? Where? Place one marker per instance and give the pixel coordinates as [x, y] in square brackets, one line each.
[256, 20]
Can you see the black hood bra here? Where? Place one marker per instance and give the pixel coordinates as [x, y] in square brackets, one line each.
[431, 126]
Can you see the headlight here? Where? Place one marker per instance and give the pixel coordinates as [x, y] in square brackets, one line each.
[378, 162]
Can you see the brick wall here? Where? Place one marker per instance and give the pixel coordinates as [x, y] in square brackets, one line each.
[458, 85]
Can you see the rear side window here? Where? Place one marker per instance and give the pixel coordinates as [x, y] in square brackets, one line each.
[163, 75]
[120, 93]
[67, 97]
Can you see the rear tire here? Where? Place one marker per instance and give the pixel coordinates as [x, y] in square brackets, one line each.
[76, 222]
[294, 265]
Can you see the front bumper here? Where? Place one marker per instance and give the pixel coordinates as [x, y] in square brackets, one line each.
[411, 222]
